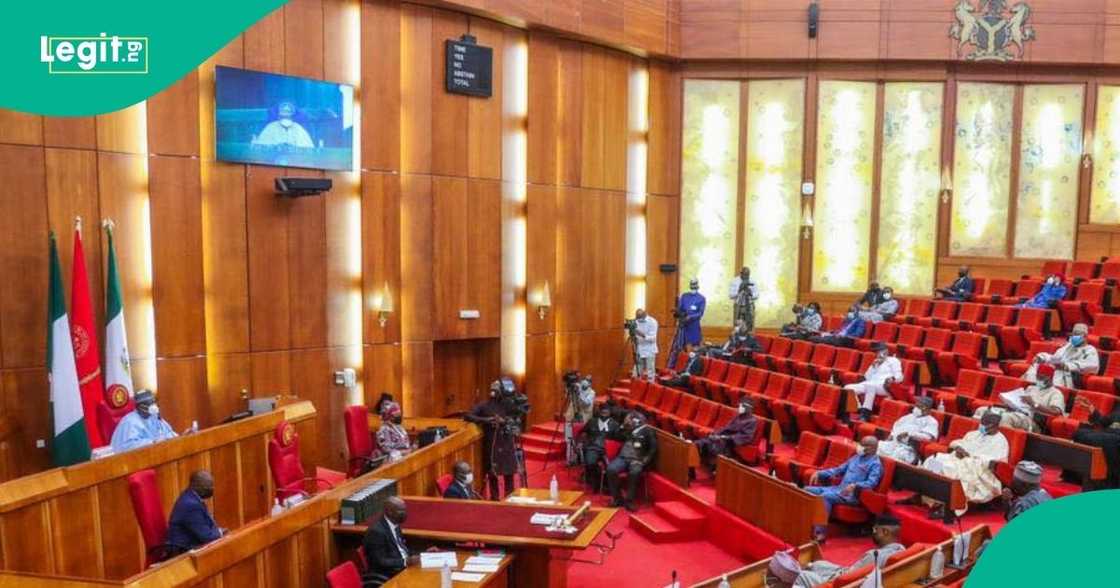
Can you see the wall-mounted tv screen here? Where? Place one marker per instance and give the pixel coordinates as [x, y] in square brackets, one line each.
[274, 119]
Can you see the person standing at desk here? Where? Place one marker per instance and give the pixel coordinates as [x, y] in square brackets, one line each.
[386, 550]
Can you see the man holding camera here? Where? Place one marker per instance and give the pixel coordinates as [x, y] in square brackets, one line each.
[500, 417]
[643, 335]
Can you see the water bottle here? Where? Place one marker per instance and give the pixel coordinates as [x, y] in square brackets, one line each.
[941, 405]
[194, 426]
[554, 489]
[723, 583]
[445, 576]
[276, 508]
[937, 564]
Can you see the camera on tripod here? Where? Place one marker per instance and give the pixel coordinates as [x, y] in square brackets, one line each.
[631, 327]
[516, 404]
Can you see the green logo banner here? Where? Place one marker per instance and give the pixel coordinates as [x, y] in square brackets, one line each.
[70, 58]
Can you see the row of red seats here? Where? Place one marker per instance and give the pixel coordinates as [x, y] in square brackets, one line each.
[1084, 307]
[1107, 381]
[1106, 271]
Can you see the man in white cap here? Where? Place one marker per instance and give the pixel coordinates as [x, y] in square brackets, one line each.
[142, 426]
[1076, 357]
[917, 426]
[1025, 492]
[645, 340]
[884, 371]
[789, 573]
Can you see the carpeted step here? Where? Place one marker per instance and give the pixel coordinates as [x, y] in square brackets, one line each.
[681, 515]
[656, 529]
[547, 428]
[542, 439]
[544, 453]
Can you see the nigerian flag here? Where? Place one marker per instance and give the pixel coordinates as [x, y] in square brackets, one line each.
[118, 378]
[70, 444]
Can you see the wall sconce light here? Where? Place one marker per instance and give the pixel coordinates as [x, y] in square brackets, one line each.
[946, 185]
[806, 219]
[382, 303]
[544, 301]
[1087, 150]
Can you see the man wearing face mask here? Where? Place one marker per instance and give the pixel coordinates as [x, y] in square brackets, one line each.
[384, 544]
[851, 329]
[918, 426]
[392, 439]
[645, 334]
[961, 289]
[873, 296]
[743, 294]
[971, 459]
[740, 341]
[862, 471]
[690, 309]
[788, 572]
[636, 455]
[1022, 408]
[1071, 361]
[694, 367]
[808, 322]
[883, 310]
[462, 486]
[884, 371]
[141, 427]
[284, 130]
[1052, 291]
[723, 441]
[191, 525]
[501, 429]
[593, 439]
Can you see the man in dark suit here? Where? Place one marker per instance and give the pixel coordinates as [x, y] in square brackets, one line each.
[384, 543]
[461, 487]
[593, 439]
[961, 289]
[191, 524]
[635, 456]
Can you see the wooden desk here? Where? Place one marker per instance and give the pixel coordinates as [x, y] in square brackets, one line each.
[936, 486]
[78, 520]
[676, 456]
[567, 497]
[416, 577]
[777, 507]
[754, 575]
[915, 569]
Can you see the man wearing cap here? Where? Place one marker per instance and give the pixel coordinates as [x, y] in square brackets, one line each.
[784, 570]
[884, 371]
[723, 441]
[862, 471]
[971, 460]
[743, 294]
[690, 309]
[143, 426]
[1025, 492]
[1021, 407]
[1075, 357]
[392, 439]
[918, 426]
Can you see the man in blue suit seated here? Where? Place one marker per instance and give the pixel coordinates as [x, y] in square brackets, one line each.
[851, 329]
[461, 487]
[191, 525]
[1052, 292]
[862, 471]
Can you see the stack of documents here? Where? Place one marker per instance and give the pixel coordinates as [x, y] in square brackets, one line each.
[482, 564]
[541, 518]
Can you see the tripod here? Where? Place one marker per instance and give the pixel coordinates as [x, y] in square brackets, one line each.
[632, 343]
[569, 402]
[677, 345]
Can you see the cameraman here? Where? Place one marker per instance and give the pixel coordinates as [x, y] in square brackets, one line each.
[644, 334]
[581, 398]
[500, 417]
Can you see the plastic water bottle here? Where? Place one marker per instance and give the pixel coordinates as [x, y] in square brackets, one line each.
[445, 576]
[554, 489]
[941, 405]
[194, 426]
[723, 583]
[276, 508]
[937, 564]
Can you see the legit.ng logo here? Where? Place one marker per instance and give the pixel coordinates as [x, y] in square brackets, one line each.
[94, 55]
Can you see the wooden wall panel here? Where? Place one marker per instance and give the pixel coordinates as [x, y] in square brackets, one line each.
[540, 240]
[662, 247]
[381, 253]
[121, 544]
[23, 253]
[173, 118]
[181, 382]
[416, 293]
[543, 109]
[383, 371]
[484, 115]
[448, 111]
[269, 298]
[417, 398]
[303, 38]
[417, 65]
[71, 177]
[307, 270]
[78, 132]
[21, 128]
[227, 375]
[604, 132]
[124, 131]
[34, 419]
[463, 371]
[225, 257]
[175, 194]
[264, 43]
[542, 382]
[381, 85]
[663, 168]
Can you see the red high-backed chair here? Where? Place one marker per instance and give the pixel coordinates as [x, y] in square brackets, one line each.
[359, 441]
[1000, 384]
[287, 471]
[820, 416]
[809, 452]
[444, 482]
[1110, 272]
[344, 575]
[909, 336]
[1018, 368]
[686, 409]
[736, 375]
[915, 309]
[635, 393]
[997, 317]
[1109, 380]
[883, 331]
[112, 408]
[970, 384]
[752, 452]
[1026, 288]
[880, 425]
[856, 374]
[822, 357]
[959, 426]
[779, 349]
[846, 361]
[1064, 427]
[714, 372]
[1085, 306]
[965, 353]
[944, 311]
[1016, 445]
[970, 315]
[1030, 326]
[800, 353]
[936, 341]
[978, 285]
[1080, 271]
[777, 387]
[1105, 331]
[1052, 266]
[144, 491]
[838, 452]
[670, 397]
[800, 395]
[872, 501]
[724, 415]
[706, 413]
[998, 289]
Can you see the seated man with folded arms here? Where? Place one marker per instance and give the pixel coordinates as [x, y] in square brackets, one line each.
[885, 309]
[142, 426]
[1076, 358]
[961, 289]
[1025, 492]
[786, 572]
[1102, 430]
[724, 440]
[1052, 291]
[593, 441]
[191, 525]
[971, 460]
[851, 329]
[1022, 408]
[884, 371]
[917, 426]
[862, 471]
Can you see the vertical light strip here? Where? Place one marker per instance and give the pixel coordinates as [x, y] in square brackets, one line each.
[636, 157]
[1105, 197]
[144, 373]
[515, 112]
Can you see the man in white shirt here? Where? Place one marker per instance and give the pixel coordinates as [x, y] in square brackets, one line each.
[884, 371]
[645, 335]
[919, 425]
[1077, 356]
[284, 130]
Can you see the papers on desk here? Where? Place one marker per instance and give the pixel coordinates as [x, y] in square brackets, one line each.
[482, 564]
[437, 559]
[466, 577]
[541, 518]
[527, 500]
[1014, 400]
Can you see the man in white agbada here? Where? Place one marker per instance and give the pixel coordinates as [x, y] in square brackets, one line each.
[1018, 407]
[884, 371]
[284, 130]
[971, 459]
[919, 425]
[142, 426]
[786, 572]
[646, 335]
[1075, 357]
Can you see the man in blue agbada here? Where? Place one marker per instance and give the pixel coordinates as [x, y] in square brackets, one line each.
[862, 471]
[1052, 291]
[690, 310]
[142, 426]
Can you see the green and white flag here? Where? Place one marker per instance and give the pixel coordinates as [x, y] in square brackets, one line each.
[70, 444]
[118, 377]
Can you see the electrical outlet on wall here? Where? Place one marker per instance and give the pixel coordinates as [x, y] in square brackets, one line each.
[346, 377]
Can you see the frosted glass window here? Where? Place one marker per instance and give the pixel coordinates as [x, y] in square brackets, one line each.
[1105, 198]
[845, 149]
[710, 174]
[909, 185]
[981, 169]
[776, 111]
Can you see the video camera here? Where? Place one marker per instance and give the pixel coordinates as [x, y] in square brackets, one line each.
[516, 404]
[631, 327]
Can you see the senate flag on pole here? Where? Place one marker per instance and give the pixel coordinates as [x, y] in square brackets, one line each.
[70, 444]
[118, 377]
[87, 357]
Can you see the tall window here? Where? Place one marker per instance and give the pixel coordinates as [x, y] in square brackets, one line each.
[982, 169]
[1105, 197]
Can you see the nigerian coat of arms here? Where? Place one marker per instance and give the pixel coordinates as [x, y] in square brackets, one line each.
[990, 30]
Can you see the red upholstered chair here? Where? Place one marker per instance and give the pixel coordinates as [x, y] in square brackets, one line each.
[144, 491]
[1081, 271]
[846, 361]
[809, 452]
[821, 415]
[777, 387]
[937, 340]
[800, 352]
[443, 483]
[884, 331]
[822, 358]
[1105, 331]
[359, 441]
[978, 285]
[856, 375]
[736, 375]
[114, 405]
[1109, 380]
[1026, 288]
[344, 575]
[970, 384]
[943, 311]
[639, 387]
[997, 317]
[652, 397]
[959, 426]
[1052, 266]
[287, 471]
[800, 395]
[1064, 427]
[965, 353]
[724, 414]
[706, 413]
[854, 576]
[714, 373]
[909, 336]
[1016, 445]
[1030, 326]
[686, 409]
[915, 308]
[880, 425]
[1109, 272]
[779, 349]
[1000, 384]
[872, 502]
[670, 398]
[765, 341]
[970, 315]
[998, 290]
[1084, 307]
[838, 452]
[1018, 368]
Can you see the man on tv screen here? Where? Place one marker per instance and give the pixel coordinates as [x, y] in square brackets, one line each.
[284, 130]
